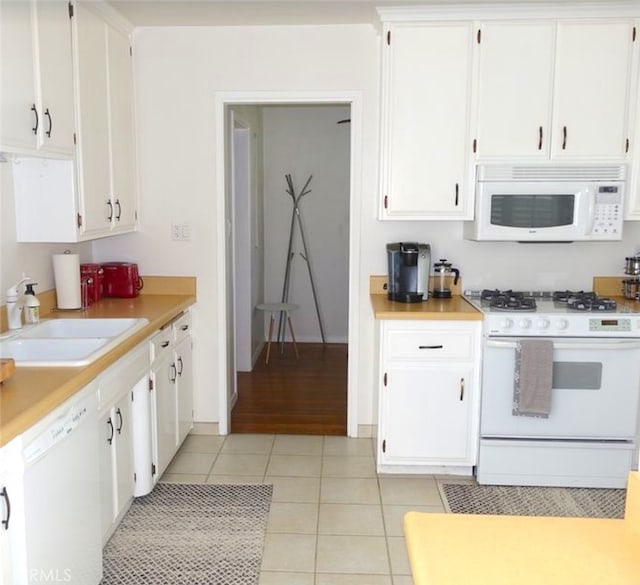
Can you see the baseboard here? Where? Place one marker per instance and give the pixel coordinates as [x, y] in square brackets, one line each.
[365, 431]
[205, 428]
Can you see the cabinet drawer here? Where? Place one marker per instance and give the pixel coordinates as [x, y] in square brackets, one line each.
[161, 341]
[182, 326]
[429, 345]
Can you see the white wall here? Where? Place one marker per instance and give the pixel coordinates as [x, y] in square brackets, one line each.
[303, 141]
[34, 259]
[178, 71]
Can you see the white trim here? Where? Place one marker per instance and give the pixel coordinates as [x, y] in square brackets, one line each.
[354, 99]
[510, 11]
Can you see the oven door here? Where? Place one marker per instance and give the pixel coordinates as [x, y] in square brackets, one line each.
[595, 391]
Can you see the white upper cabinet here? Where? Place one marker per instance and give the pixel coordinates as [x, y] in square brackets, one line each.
[106, 157]
[515, 89]
[426, 108]
[592, 89]
[556, 90]
[93, 121]
[123, 175]
[37, 108]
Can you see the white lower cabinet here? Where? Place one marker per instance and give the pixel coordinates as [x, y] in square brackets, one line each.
[118, 387]
[172, 390]
[163, 377]
[428, 404]
[183, 355]
[67, 481]
[6, 493]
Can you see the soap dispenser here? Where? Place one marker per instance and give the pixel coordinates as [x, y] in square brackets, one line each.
[31, 304]
[14, 306]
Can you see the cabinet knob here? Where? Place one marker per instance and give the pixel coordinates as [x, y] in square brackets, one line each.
[173, 373]
[119, 427]
[35, 113]
[110, 437]
[48, 115]
[7, 504]
[539, 137]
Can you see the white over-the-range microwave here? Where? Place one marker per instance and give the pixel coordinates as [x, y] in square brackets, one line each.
[548, 203]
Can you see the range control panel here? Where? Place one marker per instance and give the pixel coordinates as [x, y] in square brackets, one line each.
[564, 325]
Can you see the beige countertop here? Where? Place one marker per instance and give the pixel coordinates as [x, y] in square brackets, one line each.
[31, 393]
[457, 549]
[453, 309]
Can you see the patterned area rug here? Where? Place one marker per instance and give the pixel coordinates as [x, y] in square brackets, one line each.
[190, 535]
[534, 501]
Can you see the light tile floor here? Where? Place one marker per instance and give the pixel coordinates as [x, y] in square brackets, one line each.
[333, 520]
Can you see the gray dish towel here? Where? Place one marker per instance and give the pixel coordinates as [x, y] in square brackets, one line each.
[533, 378]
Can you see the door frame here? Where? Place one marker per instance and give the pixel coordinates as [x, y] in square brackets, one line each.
[240, 140]
[227, 98]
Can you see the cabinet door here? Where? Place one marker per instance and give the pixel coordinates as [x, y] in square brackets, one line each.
[164, 378]
[107, 437]
[426, 112]
[426, 415]
[55, 72]
[93, 122]
[18, 113]
[123, 180]
[123, 453]
[515, 89]
[591, 90]
[5, 519]
[184, 367]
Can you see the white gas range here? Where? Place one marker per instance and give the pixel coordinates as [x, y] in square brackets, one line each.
[588, 434]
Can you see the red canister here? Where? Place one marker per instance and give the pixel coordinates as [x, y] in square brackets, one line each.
[121, 279]
[93, 274]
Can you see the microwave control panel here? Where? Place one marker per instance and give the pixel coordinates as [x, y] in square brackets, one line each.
[607, 218]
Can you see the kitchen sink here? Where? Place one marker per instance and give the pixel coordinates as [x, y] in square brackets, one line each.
[67, 342]
[66, 328]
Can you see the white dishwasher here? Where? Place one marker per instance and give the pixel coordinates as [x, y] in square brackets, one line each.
[56, 516]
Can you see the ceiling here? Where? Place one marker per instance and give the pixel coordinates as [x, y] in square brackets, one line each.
[263, 12]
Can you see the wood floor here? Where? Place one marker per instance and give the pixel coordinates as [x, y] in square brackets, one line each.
[288, 396]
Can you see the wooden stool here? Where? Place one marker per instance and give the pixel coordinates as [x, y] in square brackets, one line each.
[274, 308]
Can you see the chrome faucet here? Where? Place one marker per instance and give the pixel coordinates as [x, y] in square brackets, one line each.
[15, 304]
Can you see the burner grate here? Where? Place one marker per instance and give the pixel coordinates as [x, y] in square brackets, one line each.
[591, 304]
[508, 300]
[564, 296]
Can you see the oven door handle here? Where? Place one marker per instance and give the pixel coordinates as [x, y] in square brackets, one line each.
[587, 344]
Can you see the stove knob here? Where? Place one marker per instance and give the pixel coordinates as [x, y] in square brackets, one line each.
[506, 323]
[525, 323]
[543, 324]
[562, 324]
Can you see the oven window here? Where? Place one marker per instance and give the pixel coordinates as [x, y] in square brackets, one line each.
[532, 211]
[577, 375]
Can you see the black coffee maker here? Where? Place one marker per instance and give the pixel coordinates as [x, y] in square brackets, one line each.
[409, 264]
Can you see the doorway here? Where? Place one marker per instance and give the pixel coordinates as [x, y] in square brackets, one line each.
[224, 102]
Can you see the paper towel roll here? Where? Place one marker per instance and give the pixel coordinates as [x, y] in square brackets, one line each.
[66, 273]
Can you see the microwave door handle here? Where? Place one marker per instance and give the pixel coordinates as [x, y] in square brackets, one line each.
[587, 344]
[591, 194]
